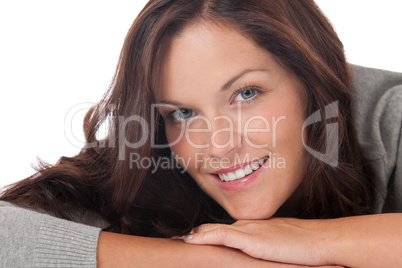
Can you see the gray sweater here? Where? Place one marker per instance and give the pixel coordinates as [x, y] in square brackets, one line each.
[35, 239]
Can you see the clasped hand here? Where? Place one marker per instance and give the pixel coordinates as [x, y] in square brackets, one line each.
[283, 240]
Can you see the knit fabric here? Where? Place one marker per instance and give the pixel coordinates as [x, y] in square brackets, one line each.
[33, 239]
[377, 97]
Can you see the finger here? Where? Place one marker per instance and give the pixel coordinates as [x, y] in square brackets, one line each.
[220, 235]
[207, 227]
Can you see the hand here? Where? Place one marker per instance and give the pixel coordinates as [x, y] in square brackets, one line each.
[283, 240]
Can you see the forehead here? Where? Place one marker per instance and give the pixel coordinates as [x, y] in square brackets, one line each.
[208, 50]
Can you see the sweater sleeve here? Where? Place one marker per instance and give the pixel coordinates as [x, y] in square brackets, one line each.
[33, 239]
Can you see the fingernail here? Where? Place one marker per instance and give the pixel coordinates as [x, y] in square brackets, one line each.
[188, 237]
[177, 237]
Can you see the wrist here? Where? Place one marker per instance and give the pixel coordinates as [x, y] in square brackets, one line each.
[327, 240]
[338, 240]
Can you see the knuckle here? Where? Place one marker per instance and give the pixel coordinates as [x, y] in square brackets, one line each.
[203, 227]
[252, 226]
[221, 232]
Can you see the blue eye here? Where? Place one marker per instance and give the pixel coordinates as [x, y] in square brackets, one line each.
[246, 94]
[182, 114]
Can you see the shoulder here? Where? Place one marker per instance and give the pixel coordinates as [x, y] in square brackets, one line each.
[376, 92]
[371, 78]
[377, 104]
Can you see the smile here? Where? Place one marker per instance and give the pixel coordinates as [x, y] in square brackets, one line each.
[242, 171]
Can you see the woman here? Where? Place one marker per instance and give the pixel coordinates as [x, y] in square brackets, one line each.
[254, 103]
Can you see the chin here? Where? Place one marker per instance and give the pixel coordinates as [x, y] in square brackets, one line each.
[252, 213]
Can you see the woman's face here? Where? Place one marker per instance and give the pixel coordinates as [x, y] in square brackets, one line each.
[233, 119]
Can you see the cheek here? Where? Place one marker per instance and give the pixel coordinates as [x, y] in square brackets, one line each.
[172, 134]
[189, 138]
[175, 141]
[261, 132]
[179, 147]
[262, 125]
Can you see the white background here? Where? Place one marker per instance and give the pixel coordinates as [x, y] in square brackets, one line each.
[57, 54]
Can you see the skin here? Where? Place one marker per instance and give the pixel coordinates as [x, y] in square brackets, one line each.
[226, 120]
[360, 241]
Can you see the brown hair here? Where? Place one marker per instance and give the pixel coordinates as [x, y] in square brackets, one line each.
[167, 202]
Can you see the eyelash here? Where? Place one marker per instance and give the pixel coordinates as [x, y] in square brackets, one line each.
[258, 90]
[168, 115]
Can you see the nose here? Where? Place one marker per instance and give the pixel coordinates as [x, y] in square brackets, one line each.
[224, 139]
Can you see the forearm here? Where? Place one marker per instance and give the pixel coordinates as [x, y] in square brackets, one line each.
[365, 241]
[117, 250]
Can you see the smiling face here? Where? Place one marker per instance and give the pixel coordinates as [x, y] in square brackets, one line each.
[236, 123]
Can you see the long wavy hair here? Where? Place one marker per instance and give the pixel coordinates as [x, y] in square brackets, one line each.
[167, 202]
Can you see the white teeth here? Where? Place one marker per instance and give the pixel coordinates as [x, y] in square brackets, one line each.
[225, 177]
[248, 170]
[255, 165]
[231, 176]
[221, 177]
[242, 172]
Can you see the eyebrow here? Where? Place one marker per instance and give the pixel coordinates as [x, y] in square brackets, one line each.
[235, 78]
[227, 85]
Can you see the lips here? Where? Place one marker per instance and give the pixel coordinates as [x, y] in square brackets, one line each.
[236, 173]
